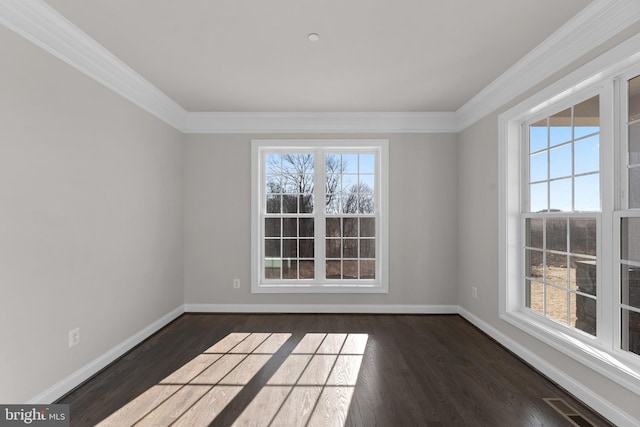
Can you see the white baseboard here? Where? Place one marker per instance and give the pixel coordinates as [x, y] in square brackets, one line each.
[588, 396]
[596, 401]
[322, 308]
[67, 384]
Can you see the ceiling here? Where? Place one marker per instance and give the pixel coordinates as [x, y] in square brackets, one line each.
[372, 56]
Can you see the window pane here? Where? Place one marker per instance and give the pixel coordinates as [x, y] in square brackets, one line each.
[557, 234]
[273, 164]
[272, 268]
[586, 120]
[585, 314]
[306, 248]
[272, 248]
[272, 227]
[306, 203]
[534, 233]
[367, 184]
[557, 305]
[350, 248]
[538, 197]
[366, 204]
[367, 163]
[367, 248]
[634, 99]
[538, 164]
[587, 193]
[332, 203]
[306, 269]
[334, 270]
[630, 331]
[560, 161]
[289, 248]
[350, 203]
[349, 163]
[333, 248]
[350, 269]
[349, 183]
[290, 227]
[538, 136]
[289, 269]
[306, 227]
[582, 236]
[534, 267]
[630, 239]
[333, 227]
[556, 270]
[273, 204]
[350, 227]
[367, 227]
[289, 204]
[630, 286]
[583, 275]
[560, 127]
[368, 269]
[273, 184]
[560, 195]
[634, 188]
[535, 296]
[587, 155]
[634, 144]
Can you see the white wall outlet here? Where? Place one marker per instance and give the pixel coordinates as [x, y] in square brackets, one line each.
[236, 283]
[474, 292]
[74, 337]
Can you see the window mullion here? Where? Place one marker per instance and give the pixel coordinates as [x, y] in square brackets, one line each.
[319, 215]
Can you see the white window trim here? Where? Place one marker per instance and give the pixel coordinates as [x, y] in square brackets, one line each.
[378, 285]
[600, 354]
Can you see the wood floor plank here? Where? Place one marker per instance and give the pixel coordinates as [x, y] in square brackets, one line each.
[172, 408]
[264, 407]
[191, 369]
[422, 370]
[309, 344]
[203, 412]
[290, 370]
[297, 409]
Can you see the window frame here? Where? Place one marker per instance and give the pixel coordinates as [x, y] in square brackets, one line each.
[259, 148]
[604, 76]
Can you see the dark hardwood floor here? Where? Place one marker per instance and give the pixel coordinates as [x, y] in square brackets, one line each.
[416, 370]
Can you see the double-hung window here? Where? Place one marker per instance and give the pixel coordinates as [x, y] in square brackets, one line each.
[570, 217]
[319, 216]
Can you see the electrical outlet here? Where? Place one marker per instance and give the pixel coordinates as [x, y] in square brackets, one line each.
[236, 283]
[74, 337]
[474, 292]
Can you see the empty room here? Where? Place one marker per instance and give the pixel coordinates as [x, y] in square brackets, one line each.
[301, 213]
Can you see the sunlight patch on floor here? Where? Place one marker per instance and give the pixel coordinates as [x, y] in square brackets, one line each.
[313, 386]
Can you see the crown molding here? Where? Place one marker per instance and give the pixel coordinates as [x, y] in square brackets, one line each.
[595, 24]
[38, 22]
[321, 122]
[41, 24]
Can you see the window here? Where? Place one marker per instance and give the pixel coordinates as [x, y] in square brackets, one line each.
[560, 245]
[319, 216]
[570, 216]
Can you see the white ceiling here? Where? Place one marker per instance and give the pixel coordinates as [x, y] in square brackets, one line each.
[372, 56]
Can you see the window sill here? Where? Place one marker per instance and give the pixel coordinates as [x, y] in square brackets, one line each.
[588, 351]
[316, 288]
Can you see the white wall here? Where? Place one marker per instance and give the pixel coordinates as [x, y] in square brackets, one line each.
[423, 225]
[91, 224]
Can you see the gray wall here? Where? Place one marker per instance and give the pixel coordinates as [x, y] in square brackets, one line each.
[423, 225]
[478, 244]
[91, 224]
